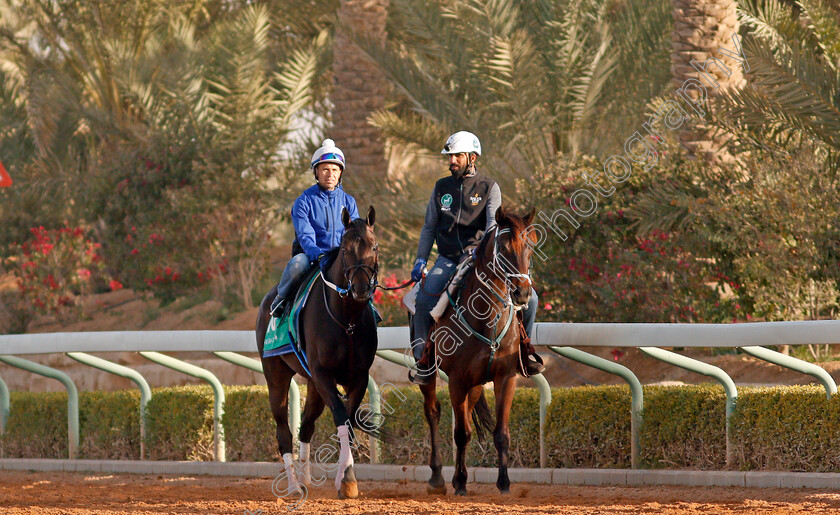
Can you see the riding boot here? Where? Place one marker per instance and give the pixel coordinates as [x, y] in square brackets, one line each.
[533, 363]
[278, 305]
[423, 370]
[530, 362]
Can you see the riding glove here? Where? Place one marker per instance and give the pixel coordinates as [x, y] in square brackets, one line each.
[323, 262]
[417, 273]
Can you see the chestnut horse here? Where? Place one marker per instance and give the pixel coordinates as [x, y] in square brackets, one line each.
[476, 340]
[338, 334]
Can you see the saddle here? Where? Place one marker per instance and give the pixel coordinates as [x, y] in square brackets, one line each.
[525, 347]
[283, 332]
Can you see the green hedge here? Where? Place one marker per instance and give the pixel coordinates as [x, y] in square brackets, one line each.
[786, 428]
[109, 425]
[790, 428]
[684, 427]
[589, 427]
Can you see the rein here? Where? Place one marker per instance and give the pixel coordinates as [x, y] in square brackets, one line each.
[399, 287]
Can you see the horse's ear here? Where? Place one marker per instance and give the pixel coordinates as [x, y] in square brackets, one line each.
[345, 217]
[371, 216]
[501, 215]
[530, 216]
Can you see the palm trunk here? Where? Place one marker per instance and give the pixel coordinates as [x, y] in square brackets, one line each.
[701, 28]
[359, 91]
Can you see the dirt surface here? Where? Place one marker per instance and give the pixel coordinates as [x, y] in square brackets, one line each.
[86, 493]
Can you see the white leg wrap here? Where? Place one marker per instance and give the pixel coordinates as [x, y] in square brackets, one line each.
[345, 457]
[291, 477]
[305, 470]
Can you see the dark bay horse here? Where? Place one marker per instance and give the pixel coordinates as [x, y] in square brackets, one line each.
[476, 341]
[338, 333]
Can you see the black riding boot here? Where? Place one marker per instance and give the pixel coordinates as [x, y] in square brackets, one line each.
[534, 364]
[278, 305]
[423, 371]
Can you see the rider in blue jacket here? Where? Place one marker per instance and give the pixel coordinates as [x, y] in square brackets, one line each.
[316, 216]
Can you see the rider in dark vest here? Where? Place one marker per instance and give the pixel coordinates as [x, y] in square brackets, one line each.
[316, 215]
[461, 209]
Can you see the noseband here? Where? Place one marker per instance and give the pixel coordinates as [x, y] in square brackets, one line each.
[371, 273]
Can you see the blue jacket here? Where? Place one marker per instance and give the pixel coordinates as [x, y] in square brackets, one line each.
[316, 216]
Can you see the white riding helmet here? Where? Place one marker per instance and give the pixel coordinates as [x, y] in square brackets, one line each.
[328, 153]
[462, 141]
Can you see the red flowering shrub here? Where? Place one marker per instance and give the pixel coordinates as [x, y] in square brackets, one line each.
[389, 303]
[54, 269]
[606, 271]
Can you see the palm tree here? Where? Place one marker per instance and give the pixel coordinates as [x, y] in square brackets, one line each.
[793, 95]
[771, 220]
[789, 105]
[532, 79]
[206, 96]
[701, 28]
[359, 90]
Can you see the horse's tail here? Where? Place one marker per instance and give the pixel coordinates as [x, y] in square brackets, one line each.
[482, 418]
[373, 427]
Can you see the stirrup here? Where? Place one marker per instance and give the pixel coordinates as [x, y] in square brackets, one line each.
[278, 305]
[534, 364]
[422, 376]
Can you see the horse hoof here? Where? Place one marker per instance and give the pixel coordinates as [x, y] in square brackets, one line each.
[349, 490]
[436, 490]
[505, 491]
[462, 492]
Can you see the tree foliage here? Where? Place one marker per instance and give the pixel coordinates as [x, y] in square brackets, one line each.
[164, 126]
[530, 78]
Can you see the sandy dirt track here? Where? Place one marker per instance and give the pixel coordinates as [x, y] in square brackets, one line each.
[79, 493]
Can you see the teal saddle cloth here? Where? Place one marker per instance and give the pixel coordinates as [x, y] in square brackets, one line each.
[283, 334]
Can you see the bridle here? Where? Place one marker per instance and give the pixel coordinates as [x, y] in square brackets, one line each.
[371, 276]
[495, 340]
[496, 265]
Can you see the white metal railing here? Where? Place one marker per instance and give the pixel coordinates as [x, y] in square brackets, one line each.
[558, 337]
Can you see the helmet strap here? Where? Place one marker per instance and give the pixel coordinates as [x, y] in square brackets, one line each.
[470, 164]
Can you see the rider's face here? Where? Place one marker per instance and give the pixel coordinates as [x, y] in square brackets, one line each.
[458, 163]
[328, 175]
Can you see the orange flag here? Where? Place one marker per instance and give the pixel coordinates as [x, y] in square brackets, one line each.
[5, 180]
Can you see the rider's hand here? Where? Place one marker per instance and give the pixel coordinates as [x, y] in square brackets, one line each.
[468, 255]
[417, 273]
[322, 262]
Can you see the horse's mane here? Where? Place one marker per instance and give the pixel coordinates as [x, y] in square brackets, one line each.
[330, 256]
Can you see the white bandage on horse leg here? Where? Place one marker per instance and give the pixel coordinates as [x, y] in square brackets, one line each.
[345, 457]
[291, 476]
[305, 465]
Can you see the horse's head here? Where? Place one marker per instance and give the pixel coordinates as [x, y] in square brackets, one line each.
[508, 256]
[360, 255]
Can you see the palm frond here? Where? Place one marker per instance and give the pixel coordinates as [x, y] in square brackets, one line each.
[412, 130]
[795, 90]
[825, 25]
[297, 76]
